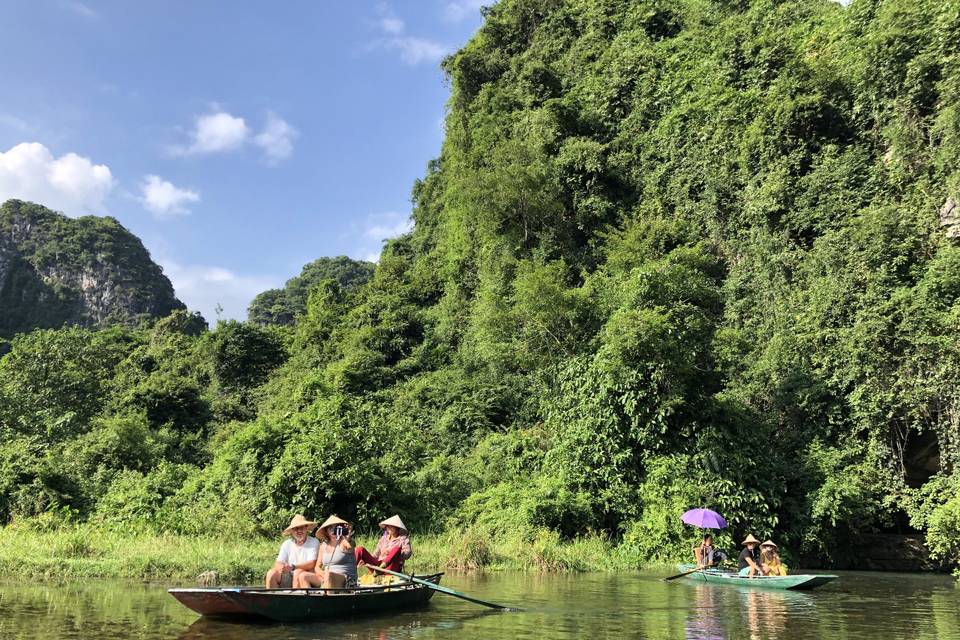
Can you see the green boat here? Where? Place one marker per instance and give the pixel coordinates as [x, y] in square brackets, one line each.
[798, 582]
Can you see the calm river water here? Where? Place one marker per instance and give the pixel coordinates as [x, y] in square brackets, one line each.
[636, 606]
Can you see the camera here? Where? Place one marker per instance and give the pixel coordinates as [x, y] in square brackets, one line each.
[340, 531]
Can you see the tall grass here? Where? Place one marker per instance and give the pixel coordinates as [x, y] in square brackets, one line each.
[73, 551]
[86, 551]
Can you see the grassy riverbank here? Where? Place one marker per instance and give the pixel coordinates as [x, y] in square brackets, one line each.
[90, 551]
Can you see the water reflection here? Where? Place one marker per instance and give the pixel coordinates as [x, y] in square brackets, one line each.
[705, 621]
[595, 606]
[722, 612]
[394, 626]
[768, 612]
[91, 610]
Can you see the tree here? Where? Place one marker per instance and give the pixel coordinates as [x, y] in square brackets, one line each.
[284, 306]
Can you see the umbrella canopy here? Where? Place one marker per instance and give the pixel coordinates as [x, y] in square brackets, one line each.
[704, 518]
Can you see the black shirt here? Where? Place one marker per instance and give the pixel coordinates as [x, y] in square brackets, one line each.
[746, 553]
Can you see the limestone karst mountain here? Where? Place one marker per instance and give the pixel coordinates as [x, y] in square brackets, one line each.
[88, 271]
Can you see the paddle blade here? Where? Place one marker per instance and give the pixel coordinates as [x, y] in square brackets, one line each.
[446, 590]
[680, 575]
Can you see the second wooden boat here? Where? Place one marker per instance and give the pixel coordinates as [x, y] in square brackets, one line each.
[798, 582]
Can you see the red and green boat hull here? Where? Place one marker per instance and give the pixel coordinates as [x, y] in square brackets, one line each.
[302, 605]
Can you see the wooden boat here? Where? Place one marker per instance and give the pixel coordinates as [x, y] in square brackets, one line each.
[798, 582]
[300, 605]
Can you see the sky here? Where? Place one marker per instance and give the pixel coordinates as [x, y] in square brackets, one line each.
[238, 140]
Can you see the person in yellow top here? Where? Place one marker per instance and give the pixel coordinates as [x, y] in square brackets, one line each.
[770, 560]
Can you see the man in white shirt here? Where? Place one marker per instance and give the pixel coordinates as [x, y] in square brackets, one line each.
[299, 551]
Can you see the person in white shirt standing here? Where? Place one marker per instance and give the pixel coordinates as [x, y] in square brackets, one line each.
[299, 551]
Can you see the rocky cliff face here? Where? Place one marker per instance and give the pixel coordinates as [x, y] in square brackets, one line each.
[86, 271]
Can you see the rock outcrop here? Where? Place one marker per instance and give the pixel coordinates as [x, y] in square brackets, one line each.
[889, 552]
[88, 271]
[950, 218]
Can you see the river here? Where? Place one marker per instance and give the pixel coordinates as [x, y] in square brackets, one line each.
[631, 605]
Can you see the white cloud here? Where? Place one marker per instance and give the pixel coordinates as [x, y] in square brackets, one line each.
[79, 8]
[222, 132]
[218, 132]
[387, 225]
[388, 20]
[276, 139]
[164, 199]
[377, 228]
[204, 287]
[413, 50]
[70, 183]
[459, 10]
[13, 122]
[392, 24]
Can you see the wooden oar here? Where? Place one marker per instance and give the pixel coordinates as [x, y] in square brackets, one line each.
[446, 590]
[685, 573]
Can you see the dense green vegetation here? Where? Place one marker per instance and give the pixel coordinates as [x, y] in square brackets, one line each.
[88, 271]
[284, 306]
[672, 254]
[49, 547]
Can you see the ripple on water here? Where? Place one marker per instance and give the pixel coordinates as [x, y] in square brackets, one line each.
[595, 606]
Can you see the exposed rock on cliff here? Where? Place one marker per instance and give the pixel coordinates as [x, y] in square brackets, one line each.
[86, 271]
[950, 218]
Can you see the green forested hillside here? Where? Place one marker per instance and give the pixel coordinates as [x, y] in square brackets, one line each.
[285, 306]
[88, 271]
[672, 254]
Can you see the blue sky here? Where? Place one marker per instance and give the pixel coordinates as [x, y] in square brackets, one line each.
[239, 140]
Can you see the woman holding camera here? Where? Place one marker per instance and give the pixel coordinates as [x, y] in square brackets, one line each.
[336, 566]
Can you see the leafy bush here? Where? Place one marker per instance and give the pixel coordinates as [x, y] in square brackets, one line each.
[136, 499]
[243, 355]
[519, 508]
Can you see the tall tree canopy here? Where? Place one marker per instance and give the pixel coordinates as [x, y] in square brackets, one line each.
[284, 306]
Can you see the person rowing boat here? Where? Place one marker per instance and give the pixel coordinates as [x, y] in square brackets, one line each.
[706, 555]
[392, 550]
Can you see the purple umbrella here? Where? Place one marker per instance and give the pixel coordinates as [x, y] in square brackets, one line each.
[704, 518]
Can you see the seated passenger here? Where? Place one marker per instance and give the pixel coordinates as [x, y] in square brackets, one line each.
[770, 560]
[706, 555]
[749, 560]
[336, 566]
[392, 549]
[298, 552]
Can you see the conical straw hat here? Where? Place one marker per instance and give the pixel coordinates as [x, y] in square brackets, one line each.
[298, 521]
[769, 543]
[748, 540]
[394, 521]
[331, 521]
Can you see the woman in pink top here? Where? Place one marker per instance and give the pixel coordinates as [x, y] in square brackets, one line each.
[392, 549]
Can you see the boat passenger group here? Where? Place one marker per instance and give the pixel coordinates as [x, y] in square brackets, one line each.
[330, 560]
[756, 559]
